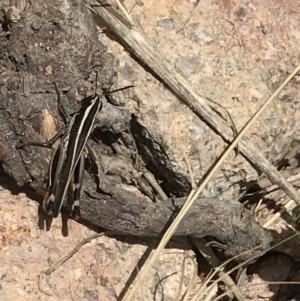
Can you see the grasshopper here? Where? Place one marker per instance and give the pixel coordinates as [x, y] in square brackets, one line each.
[68, 162]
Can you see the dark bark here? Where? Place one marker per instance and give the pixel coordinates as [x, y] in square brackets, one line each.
[127, 212]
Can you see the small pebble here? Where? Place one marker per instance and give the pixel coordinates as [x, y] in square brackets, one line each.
[166, 23]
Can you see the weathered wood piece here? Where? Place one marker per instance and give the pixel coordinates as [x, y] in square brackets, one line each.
[126, 212]
[43, 47]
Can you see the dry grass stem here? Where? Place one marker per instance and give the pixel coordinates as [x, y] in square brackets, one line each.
[188, 164]
[70, 254]
[209, 255]
[278, 214]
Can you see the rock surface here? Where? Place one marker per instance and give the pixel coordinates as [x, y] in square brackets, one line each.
[234, 53]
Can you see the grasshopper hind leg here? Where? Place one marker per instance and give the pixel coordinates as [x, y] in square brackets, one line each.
[76, 187]
[54, 174]
[48, 205]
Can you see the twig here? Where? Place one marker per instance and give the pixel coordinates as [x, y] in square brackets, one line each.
[188, 164]
[207, 251]
[188, 19]
[152, 181]
[43, 274]
[233, 127]
[182, 278]
[70, 254]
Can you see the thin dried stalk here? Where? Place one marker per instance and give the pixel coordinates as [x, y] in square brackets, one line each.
[214, 263]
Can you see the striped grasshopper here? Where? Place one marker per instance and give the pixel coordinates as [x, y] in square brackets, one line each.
[68, 162]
